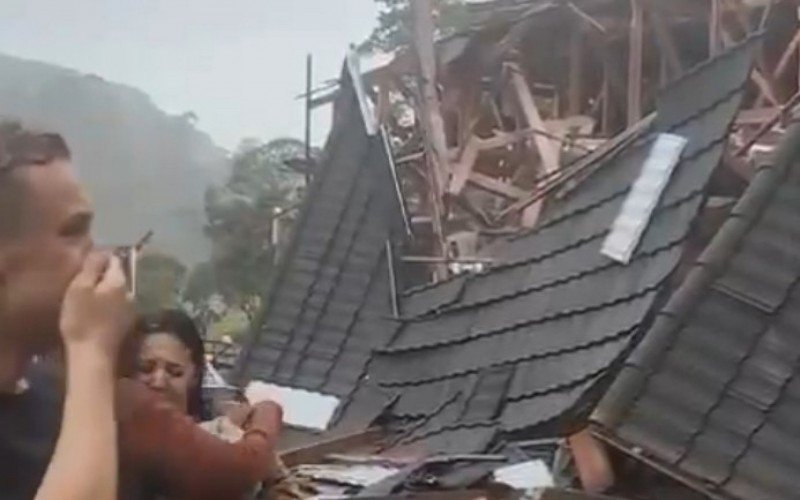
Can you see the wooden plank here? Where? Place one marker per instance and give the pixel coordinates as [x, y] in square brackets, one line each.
[756, 116]
[575, 93]
[589, 20]
[592, 462]
[605, 95]
[317, 451]
[423, 27]
[757, 76]
[714, 28]
[579, 167]
[463, 167]
[433, 129]
[549, 150]
[384, 107]
[767, 125]
[496, 186]
[786, 57]
[665, 40]
[635, 48]
[764, 86]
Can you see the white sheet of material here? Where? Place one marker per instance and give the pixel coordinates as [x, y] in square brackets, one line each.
[637, 209]
[525, 475]
[301, 408]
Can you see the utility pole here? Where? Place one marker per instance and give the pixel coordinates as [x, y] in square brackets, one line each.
[308, 118]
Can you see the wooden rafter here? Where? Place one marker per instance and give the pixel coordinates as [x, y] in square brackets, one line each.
[635, 48]
[463, 167]
[664, 37]
[495, 186]
[589, 20]
[575, 94]
[438, 163]
[714, 32]
[549, 149]
[786, 57]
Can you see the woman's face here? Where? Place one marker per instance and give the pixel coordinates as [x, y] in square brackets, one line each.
[165, 366]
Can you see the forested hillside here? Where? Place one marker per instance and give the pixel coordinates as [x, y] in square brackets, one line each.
[145, 169]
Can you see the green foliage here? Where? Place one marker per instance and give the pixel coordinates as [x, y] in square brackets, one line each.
[240, 217]
[201, 283]
[395, 23]
[159, 280]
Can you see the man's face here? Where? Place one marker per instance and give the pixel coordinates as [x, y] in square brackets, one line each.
[37, 267]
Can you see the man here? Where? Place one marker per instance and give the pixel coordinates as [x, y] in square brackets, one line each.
[45, 239]
[45, 222]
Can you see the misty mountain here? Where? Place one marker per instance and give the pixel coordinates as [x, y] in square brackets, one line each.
[145, 169]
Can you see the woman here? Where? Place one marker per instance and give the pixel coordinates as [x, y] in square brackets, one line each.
[170, 360]
[162, 442]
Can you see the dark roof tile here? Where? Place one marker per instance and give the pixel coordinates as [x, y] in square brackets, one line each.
[554, 312]
[729, 424]
[326, 308]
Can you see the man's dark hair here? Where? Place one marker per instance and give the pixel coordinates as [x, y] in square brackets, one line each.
[20, 147]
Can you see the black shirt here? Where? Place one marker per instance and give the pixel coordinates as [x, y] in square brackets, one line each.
[29, 427]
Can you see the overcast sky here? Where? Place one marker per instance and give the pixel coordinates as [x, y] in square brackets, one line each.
[238, 64]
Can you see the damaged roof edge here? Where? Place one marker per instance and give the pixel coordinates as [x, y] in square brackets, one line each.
[273, 282]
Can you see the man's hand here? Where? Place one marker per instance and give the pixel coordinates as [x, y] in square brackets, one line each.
[97, 310]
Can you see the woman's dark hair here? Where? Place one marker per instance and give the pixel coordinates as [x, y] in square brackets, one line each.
[180, 325]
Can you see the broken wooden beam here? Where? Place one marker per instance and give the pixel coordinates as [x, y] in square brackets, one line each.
[549, 149]
[496, 186]
[463, 166]
[317, 451]
[591, 461]
[767, 125]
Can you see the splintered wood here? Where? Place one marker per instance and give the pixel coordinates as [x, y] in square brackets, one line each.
[503, 114]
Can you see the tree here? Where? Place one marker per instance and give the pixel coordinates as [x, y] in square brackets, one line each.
[395, 28]
[240, 218]
[159, 280]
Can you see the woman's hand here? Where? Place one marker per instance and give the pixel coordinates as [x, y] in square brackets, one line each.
[239, 414]
[97, 311]
[266, 416]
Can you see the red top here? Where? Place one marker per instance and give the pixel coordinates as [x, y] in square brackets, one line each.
[158, 441]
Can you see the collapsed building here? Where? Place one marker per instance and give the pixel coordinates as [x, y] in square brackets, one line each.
[612, 259]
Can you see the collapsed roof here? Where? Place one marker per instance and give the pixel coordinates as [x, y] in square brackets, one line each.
[712, 393]
[524, 349]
